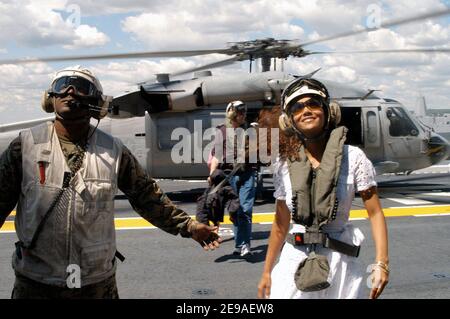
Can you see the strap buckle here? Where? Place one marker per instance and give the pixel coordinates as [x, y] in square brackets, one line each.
[307, 238]
[315, 237]
[299, 238]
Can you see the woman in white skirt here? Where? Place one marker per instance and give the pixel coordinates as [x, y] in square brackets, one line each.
[308, 118]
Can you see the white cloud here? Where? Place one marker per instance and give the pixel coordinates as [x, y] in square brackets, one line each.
[87, 36]
[24, 76]
[39, 24]
[168, 31]
[430, 34]
[287, 31]
[340, 74]
[106, 7]
[195, 24]
[21, 88]
[411, 7]
[31, 25]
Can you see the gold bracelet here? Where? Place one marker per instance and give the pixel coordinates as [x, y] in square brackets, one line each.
[382, 265]
[386, 271]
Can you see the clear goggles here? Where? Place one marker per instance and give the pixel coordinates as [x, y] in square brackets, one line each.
[81, 86]
[313, 103]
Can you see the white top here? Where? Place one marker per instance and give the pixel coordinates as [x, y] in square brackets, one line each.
[357, 172]
[347, 274]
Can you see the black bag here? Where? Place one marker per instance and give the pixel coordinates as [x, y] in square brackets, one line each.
[312, 273]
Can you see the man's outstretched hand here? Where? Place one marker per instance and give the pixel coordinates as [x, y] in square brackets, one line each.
[206, 236]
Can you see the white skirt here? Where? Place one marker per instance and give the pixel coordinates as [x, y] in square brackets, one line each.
[346, 275]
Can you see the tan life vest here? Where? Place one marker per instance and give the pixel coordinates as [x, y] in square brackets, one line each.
[314, 197]
[80, 229]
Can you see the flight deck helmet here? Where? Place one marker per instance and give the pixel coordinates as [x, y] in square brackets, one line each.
[301, 87]
[234, 107]
[85, 84]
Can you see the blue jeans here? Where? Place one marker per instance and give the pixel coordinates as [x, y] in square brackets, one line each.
[244, 185]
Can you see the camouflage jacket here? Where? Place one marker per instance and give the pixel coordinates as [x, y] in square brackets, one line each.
[142, 191]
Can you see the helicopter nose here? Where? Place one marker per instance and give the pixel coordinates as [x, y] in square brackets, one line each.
[438, 148]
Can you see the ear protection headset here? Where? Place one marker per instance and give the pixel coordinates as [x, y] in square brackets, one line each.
[233, 108]
[302, 87]
[99, 108]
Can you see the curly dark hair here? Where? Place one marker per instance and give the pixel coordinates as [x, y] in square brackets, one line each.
[289, 146]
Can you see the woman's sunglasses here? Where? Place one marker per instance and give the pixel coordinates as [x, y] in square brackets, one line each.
[312, 104]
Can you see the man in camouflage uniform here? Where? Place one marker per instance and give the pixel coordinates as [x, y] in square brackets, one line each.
[63, 176]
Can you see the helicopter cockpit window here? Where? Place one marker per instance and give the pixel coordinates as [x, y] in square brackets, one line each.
[399, 123]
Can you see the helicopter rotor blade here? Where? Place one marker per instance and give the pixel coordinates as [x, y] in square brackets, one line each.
[149, 54]
[392, 23]
[439, 50]
[210, 65]
[243, 50]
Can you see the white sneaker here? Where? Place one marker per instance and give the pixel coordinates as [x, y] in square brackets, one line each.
[237, 251]
[245, 250]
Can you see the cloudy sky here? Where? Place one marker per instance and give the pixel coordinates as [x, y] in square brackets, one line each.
[67, 27]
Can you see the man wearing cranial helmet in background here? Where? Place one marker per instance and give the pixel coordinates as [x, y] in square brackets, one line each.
[231, 153]
[63, 176]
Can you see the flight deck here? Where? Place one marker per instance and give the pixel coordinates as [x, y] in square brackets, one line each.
[159, 265]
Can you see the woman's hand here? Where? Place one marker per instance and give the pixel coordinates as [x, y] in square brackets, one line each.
[380, 278]
[264, 286]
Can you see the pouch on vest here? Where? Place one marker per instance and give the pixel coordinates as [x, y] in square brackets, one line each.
[312, 273]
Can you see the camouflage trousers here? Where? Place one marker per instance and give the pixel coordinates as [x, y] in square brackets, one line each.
[25, 288]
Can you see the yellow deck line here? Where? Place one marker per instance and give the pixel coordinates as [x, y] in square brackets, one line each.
[405, 211]
[140, 223]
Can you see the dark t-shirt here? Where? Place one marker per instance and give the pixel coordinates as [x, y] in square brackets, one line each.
[239, 153]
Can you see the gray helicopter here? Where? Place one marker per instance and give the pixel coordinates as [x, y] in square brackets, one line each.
[146, 119]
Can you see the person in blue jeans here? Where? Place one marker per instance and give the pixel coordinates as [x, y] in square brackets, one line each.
[225, 156]
[244, 185]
